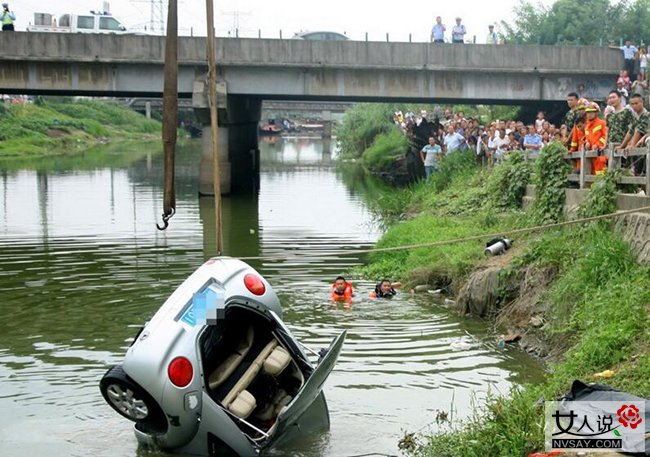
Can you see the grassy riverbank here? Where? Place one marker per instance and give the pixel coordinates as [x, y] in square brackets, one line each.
[53, 128]
[595, 303]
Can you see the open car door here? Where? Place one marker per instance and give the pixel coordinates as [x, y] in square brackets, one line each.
[312, 388]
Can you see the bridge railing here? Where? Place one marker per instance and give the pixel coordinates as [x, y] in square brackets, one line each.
[615, 161]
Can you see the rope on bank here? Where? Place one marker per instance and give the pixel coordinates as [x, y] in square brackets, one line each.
[536, 228]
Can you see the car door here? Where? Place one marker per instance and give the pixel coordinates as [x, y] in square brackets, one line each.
[312, 388]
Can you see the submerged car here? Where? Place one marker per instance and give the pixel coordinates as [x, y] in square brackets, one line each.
[216, 369]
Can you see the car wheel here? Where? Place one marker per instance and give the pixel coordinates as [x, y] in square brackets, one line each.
[127, 398]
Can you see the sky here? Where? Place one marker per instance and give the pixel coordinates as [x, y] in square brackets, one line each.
[355, 18]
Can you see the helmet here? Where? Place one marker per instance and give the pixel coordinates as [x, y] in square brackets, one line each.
[593, 107]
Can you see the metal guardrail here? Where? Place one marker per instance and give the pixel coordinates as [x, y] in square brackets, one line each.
[614, 159]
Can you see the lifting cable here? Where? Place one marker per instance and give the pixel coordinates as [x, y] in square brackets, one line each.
[170, 114]
[405, 247]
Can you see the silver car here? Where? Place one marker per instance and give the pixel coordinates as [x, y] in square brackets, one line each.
[216, 369]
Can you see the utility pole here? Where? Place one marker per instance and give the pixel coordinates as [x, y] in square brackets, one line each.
[214, 127]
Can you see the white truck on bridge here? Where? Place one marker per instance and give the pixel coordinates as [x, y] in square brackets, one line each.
[95, 22]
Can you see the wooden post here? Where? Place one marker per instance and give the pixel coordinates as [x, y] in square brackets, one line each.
[214, 127]
[582, 168]
[647, 171]
[611, 166]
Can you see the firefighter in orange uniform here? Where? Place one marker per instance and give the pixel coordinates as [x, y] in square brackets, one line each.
[596, 137]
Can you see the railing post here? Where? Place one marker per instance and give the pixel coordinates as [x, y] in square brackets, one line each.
[610, 159]
[387, 39]
[280, 33]
[259, 33]
[236, 33]
[583, 162]
[647, 171]
[409, 38]
[366, 36]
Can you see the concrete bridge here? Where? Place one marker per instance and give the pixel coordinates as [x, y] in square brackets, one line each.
[252, 70]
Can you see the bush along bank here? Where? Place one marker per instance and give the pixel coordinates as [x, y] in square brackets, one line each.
[48, 127]
[576, 295]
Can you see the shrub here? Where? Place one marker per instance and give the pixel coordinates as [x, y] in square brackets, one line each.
[550, 179]
[385, 150]
[507, 183]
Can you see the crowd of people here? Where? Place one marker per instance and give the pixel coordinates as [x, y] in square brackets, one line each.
[458, 32]
[624, 123]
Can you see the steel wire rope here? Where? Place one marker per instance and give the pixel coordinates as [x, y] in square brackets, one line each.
[464, 239]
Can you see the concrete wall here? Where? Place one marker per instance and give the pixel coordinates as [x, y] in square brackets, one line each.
[634, 228]
[348, 70]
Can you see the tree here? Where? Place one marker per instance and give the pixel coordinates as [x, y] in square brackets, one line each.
[590, 22]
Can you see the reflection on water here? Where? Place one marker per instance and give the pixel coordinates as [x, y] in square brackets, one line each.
[83, 267]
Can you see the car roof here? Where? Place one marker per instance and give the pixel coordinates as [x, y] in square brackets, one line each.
[306, 35]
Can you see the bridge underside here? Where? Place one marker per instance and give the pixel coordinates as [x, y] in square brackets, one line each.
[294, 83]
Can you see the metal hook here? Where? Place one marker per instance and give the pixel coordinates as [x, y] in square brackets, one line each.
[165, 219]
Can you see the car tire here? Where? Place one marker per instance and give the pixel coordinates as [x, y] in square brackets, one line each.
[129, 399]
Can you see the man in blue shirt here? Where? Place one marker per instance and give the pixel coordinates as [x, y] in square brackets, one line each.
[532, 141]
[429, 155]
[438, 31]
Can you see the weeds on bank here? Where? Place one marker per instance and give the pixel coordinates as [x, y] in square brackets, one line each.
[56, 127]
[601, 302]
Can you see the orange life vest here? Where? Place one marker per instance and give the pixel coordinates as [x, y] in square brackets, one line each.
[346, 295]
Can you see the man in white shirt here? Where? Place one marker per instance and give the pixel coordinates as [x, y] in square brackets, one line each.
[458, 32]
[629, 54]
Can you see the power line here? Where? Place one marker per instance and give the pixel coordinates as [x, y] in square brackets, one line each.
[236, 16]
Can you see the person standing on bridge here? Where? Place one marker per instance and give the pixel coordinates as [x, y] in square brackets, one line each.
[8, 18]
[438, 31]
[458, 32]
[492, 36]
[629, 54]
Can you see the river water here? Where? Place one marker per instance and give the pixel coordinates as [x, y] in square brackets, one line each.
[82, 267]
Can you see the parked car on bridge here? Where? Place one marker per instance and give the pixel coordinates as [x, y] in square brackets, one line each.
[95, 22]
[326, 36]
[217, 368]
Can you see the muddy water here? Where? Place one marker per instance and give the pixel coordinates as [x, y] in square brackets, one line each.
[82, 267]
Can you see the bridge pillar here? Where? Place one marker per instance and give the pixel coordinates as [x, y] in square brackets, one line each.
[327, 124]
[244, 114]
[238, 118]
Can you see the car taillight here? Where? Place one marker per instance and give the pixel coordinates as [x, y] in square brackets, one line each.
[254, 284]
[180, 371]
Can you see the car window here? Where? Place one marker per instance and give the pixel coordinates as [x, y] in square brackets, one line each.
[85, 22]
[64, 21]
[109, 23]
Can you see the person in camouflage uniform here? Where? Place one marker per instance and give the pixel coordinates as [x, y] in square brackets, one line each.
[639, 126]
[619, 120]
[637, 131]
[570, 117]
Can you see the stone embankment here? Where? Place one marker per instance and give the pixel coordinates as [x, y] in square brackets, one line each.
[515, 300]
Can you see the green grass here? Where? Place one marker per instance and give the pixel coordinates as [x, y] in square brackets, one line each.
[597, 309]
[49, 128]
[599, 313]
